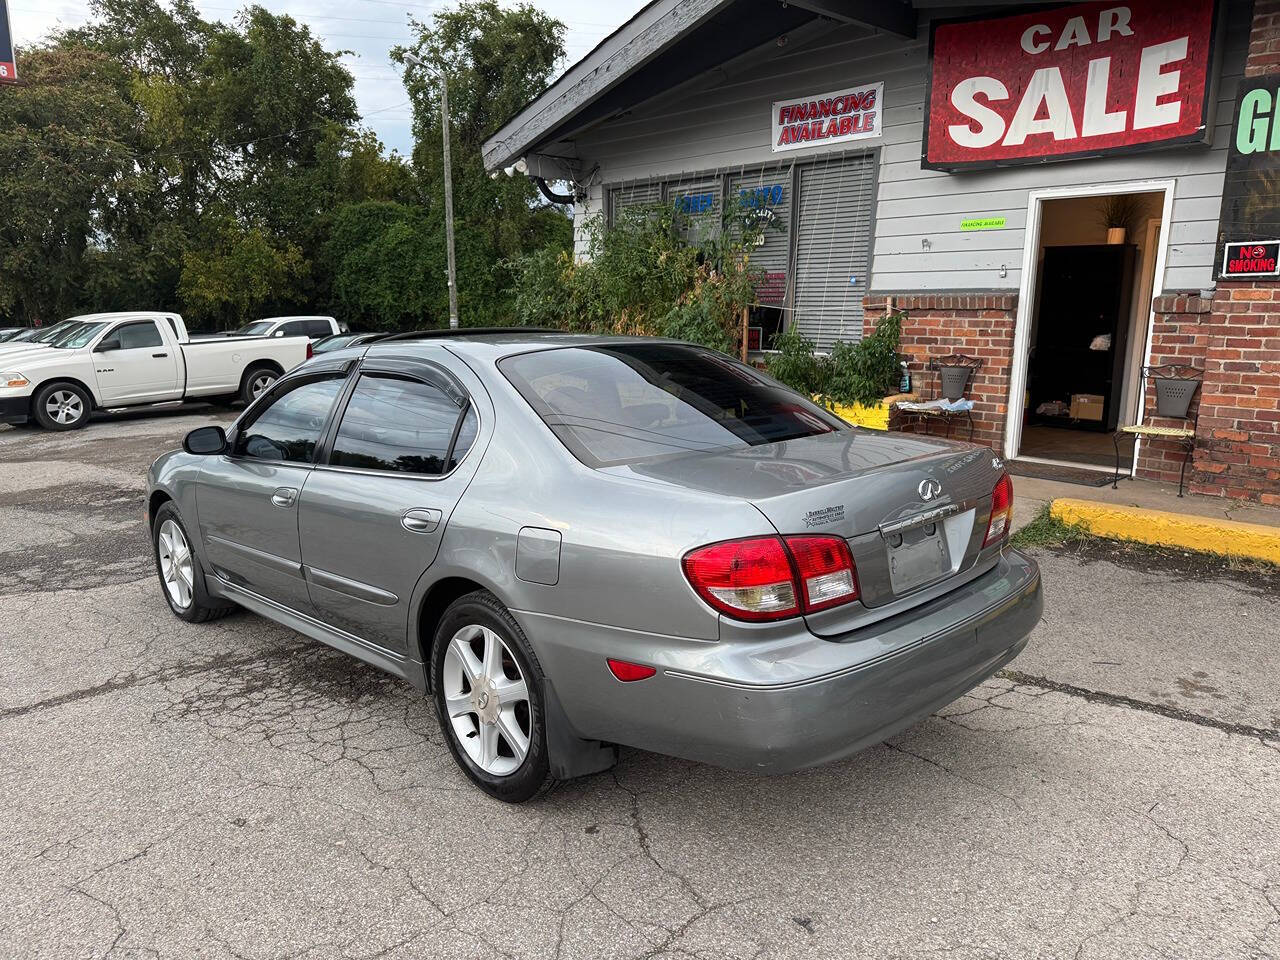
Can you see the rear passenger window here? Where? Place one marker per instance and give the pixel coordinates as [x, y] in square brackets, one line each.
[289, 428]
[398, 425]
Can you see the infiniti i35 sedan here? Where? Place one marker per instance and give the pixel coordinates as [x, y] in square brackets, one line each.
[573, 542]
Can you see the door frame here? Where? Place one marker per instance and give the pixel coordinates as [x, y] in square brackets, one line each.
[1027, 287]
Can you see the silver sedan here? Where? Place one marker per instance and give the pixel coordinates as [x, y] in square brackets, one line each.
[574, 542]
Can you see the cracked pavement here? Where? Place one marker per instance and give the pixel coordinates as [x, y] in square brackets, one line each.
[235, 790]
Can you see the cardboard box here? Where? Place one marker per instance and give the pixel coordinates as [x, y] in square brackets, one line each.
[1086, 406]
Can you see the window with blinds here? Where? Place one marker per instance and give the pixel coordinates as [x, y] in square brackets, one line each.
[761, 201]
[645, 194]
[835, 207]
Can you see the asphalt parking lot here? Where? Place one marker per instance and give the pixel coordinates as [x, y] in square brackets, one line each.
[234, 790]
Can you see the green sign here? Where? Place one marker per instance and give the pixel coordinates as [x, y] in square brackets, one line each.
[982, 223]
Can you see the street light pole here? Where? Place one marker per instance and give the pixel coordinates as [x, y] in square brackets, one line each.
[448, 191]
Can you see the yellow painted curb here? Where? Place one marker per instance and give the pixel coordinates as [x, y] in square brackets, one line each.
[1207, 534]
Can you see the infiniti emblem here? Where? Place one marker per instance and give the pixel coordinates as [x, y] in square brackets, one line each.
[930, 489]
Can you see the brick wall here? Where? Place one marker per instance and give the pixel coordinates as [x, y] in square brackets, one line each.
[1264, 39]
[1238, 443]
[1180, 336]
[976, 324]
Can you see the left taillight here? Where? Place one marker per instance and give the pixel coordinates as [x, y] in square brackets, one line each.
[772, 578]
[1001, 511]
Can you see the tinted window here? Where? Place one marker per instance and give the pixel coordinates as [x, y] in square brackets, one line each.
[135, 335]
[289, 428]
[395, 424]
[620, 404]
[319, 328]
[466, 436]
[294, 328]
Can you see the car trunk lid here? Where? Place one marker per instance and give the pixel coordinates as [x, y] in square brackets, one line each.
[912, 508]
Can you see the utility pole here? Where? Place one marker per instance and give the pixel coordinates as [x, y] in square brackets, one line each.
[448, 190]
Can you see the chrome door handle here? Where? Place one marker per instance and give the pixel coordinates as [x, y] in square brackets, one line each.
[284, 496]
[423, 520]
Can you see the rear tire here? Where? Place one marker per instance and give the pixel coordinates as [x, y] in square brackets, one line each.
[257, 381]
[181, 576]
[487, 687]
[61, 406]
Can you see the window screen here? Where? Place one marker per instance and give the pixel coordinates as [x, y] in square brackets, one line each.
[289, 428]
[398, 425]
[622, 404]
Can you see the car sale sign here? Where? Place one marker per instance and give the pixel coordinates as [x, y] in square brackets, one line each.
[1081, 80]
[8, 69]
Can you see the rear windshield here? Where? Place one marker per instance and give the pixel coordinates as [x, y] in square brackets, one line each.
[630, 402]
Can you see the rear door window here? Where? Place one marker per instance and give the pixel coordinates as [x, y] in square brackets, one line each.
[401, 425]
[612, 404]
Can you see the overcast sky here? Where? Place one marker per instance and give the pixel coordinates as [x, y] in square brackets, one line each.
[368, 27]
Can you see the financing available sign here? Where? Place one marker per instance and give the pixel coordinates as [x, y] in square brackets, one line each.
[1081, 80]
[827, 118]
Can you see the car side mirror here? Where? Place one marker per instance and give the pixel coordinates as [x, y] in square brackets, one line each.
[107, 345]
[204, 441]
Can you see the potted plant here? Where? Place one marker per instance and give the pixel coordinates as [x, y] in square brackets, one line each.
[1118, 214]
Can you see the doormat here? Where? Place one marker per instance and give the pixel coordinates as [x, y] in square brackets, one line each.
[1053, 471]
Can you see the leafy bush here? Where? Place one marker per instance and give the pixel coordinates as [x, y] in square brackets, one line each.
[642, 278]
[796, 365]
[864, 371]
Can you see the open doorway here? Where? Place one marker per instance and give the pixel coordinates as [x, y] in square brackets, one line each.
[1084, 319]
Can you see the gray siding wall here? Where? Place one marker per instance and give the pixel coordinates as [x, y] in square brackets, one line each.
[722, 123]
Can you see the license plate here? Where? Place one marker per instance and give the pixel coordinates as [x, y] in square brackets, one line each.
[922, 561]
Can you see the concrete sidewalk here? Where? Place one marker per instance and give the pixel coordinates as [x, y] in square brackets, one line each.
[1031, 495]
[1154, 513]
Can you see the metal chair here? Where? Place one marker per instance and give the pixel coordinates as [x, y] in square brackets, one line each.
[955, 375]
[1174, 394]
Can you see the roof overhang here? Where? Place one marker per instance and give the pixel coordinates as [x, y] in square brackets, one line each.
[667, 43]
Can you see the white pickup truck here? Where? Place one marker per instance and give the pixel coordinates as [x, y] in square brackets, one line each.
[132, 359]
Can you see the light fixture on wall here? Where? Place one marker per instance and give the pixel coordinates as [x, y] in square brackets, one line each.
[926, 244]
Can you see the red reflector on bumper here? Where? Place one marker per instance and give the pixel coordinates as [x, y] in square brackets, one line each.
[628, 672]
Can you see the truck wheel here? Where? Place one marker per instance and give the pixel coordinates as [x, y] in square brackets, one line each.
[61, 406]
[257, 380]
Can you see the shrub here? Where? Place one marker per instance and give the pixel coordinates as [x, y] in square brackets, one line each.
[864, 371]
[796, 365]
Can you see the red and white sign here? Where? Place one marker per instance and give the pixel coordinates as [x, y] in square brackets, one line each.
[826, 118]
[1079, 80]
[8, 69]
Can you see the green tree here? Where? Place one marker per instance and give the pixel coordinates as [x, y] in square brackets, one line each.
[496, 60]
[229, 280]
[64, 162]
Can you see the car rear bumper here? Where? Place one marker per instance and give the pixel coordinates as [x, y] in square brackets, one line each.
[15, 410]
[788, 702]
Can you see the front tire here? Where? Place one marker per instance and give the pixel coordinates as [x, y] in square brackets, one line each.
[487, 687]
[181, 577]
[61, 406]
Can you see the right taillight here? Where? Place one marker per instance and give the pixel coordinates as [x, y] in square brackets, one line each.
[771, 578]
[1001, 511]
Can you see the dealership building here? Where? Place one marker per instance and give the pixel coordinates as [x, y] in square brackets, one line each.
[1068, 194]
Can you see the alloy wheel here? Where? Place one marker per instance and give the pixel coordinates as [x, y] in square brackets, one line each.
[487, 698]
[64, 406]
[259, 384]
[176, 569]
